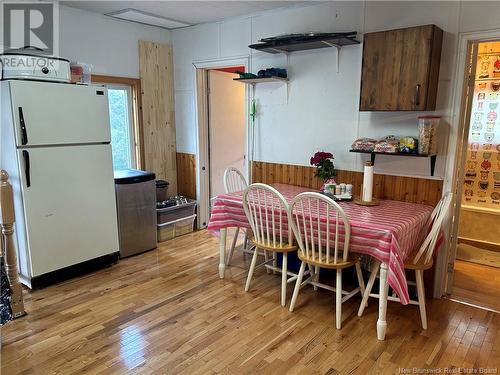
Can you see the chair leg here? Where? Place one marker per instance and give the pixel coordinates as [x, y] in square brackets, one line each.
[297, 285]
[369, 286]
[338, 299]
[245, 241]
[421, 297]
[233, 245]
[361, 282]
[275, 262]
[316, 276]
[284, 278]
[250, 271]
[266, 258]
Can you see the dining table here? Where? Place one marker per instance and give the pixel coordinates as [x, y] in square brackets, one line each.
[388, 232]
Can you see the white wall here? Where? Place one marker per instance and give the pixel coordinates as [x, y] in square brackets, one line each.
[110, 45]
[322, 109]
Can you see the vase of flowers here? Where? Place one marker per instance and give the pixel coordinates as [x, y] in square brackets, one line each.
[323, 161]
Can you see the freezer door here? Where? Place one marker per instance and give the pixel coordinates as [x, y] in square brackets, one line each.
[69, 205]
[47, 113]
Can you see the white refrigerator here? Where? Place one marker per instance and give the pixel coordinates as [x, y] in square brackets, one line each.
[55, 145]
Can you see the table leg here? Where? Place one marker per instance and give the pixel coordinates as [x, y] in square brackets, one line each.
[382, 303]
[222, 252]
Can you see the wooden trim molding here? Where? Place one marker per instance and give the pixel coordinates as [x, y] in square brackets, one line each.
[135, 85]
[186, 175]
[484, 245]
[406, 189]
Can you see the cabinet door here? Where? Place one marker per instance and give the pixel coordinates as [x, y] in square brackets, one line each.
[400, 69]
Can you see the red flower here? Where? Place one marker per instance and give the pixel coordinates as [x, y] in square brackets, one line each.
[319, 157]
[497, 64]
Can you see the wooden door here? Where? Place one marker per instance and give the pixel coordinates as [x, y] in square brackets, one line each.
[400, 69]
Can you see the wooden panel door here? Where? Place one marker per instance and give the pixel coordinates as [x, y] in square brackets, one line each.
[400, 69]
[157, 84]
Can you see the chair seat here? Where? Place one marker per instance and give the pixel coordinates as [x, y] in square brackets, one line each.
[420, 265]
[351, 261]
[286, 248]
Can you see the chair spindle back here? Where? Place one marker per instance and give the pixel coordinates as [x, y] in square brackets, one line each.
[267, 212]
[321, 227]
[234, 180]
[433, 228]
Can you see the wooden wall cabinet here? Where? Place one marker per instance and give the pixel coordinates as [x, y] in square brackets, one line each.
[400, 69]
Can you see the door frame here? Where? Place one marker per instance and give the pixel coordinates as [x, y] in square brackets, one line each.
[461, 113]
[201, 117]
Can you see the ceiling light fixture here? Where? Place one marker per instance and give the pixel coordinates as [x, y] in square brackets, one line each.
[138, 16]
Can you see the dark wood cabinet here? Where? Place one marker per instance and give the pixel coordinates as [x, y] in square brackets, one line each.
[400, 69]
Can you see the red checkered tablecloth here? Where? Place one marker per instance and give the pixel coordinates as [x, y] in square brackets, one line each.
[388, 232]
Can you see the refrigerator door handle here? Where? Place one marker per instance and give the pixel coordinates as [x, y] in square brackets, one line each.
[24, 133]
[27, 173]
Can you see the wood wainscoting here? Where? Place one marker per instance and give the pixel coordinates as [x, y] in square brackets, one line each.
[406, 189]
[186, 175]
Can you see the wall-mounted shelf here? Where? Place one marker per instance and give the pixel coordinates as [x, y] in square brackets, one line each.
[258, 80]
[373, 154]
[303, 42]
[254, 81]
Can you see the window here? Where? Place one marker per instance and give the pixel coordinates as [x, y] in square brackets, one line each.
[124, 118]
[122, 129]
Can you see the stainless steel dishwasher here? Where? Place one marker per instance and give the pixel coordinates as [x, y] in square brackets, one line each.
[136, 208]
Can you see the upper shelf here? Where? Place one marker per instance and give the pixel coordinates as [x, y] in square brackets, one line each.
[261, 80]
[302, 42]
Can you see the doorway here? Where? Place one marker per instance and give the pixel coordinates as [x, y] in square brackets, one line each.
[226, 127]
[223, 132]
[476, 269]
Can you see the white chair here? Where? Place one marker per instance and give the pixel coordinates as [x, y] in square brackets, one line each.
[419, 260]
[268, 215]
[323, 231]
[235, 181]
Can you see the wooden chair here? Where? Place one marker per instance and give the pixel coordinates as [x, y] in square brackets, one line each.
[323, 231]
[268, 215]
[418, 261]
[235, 181]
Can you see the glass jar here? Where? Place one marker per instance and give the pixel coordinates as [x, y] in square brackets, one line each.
[427, 134]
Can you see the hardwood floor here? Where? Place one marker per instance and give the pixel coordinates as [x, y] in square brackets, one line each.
[167, 312]
[477, 284]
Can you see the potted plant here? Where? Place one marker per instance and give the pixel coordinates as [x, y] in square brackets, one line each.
[323, 161]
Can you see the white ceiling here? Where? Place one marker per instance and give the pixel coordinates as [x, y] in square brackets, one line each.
[190, 12]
